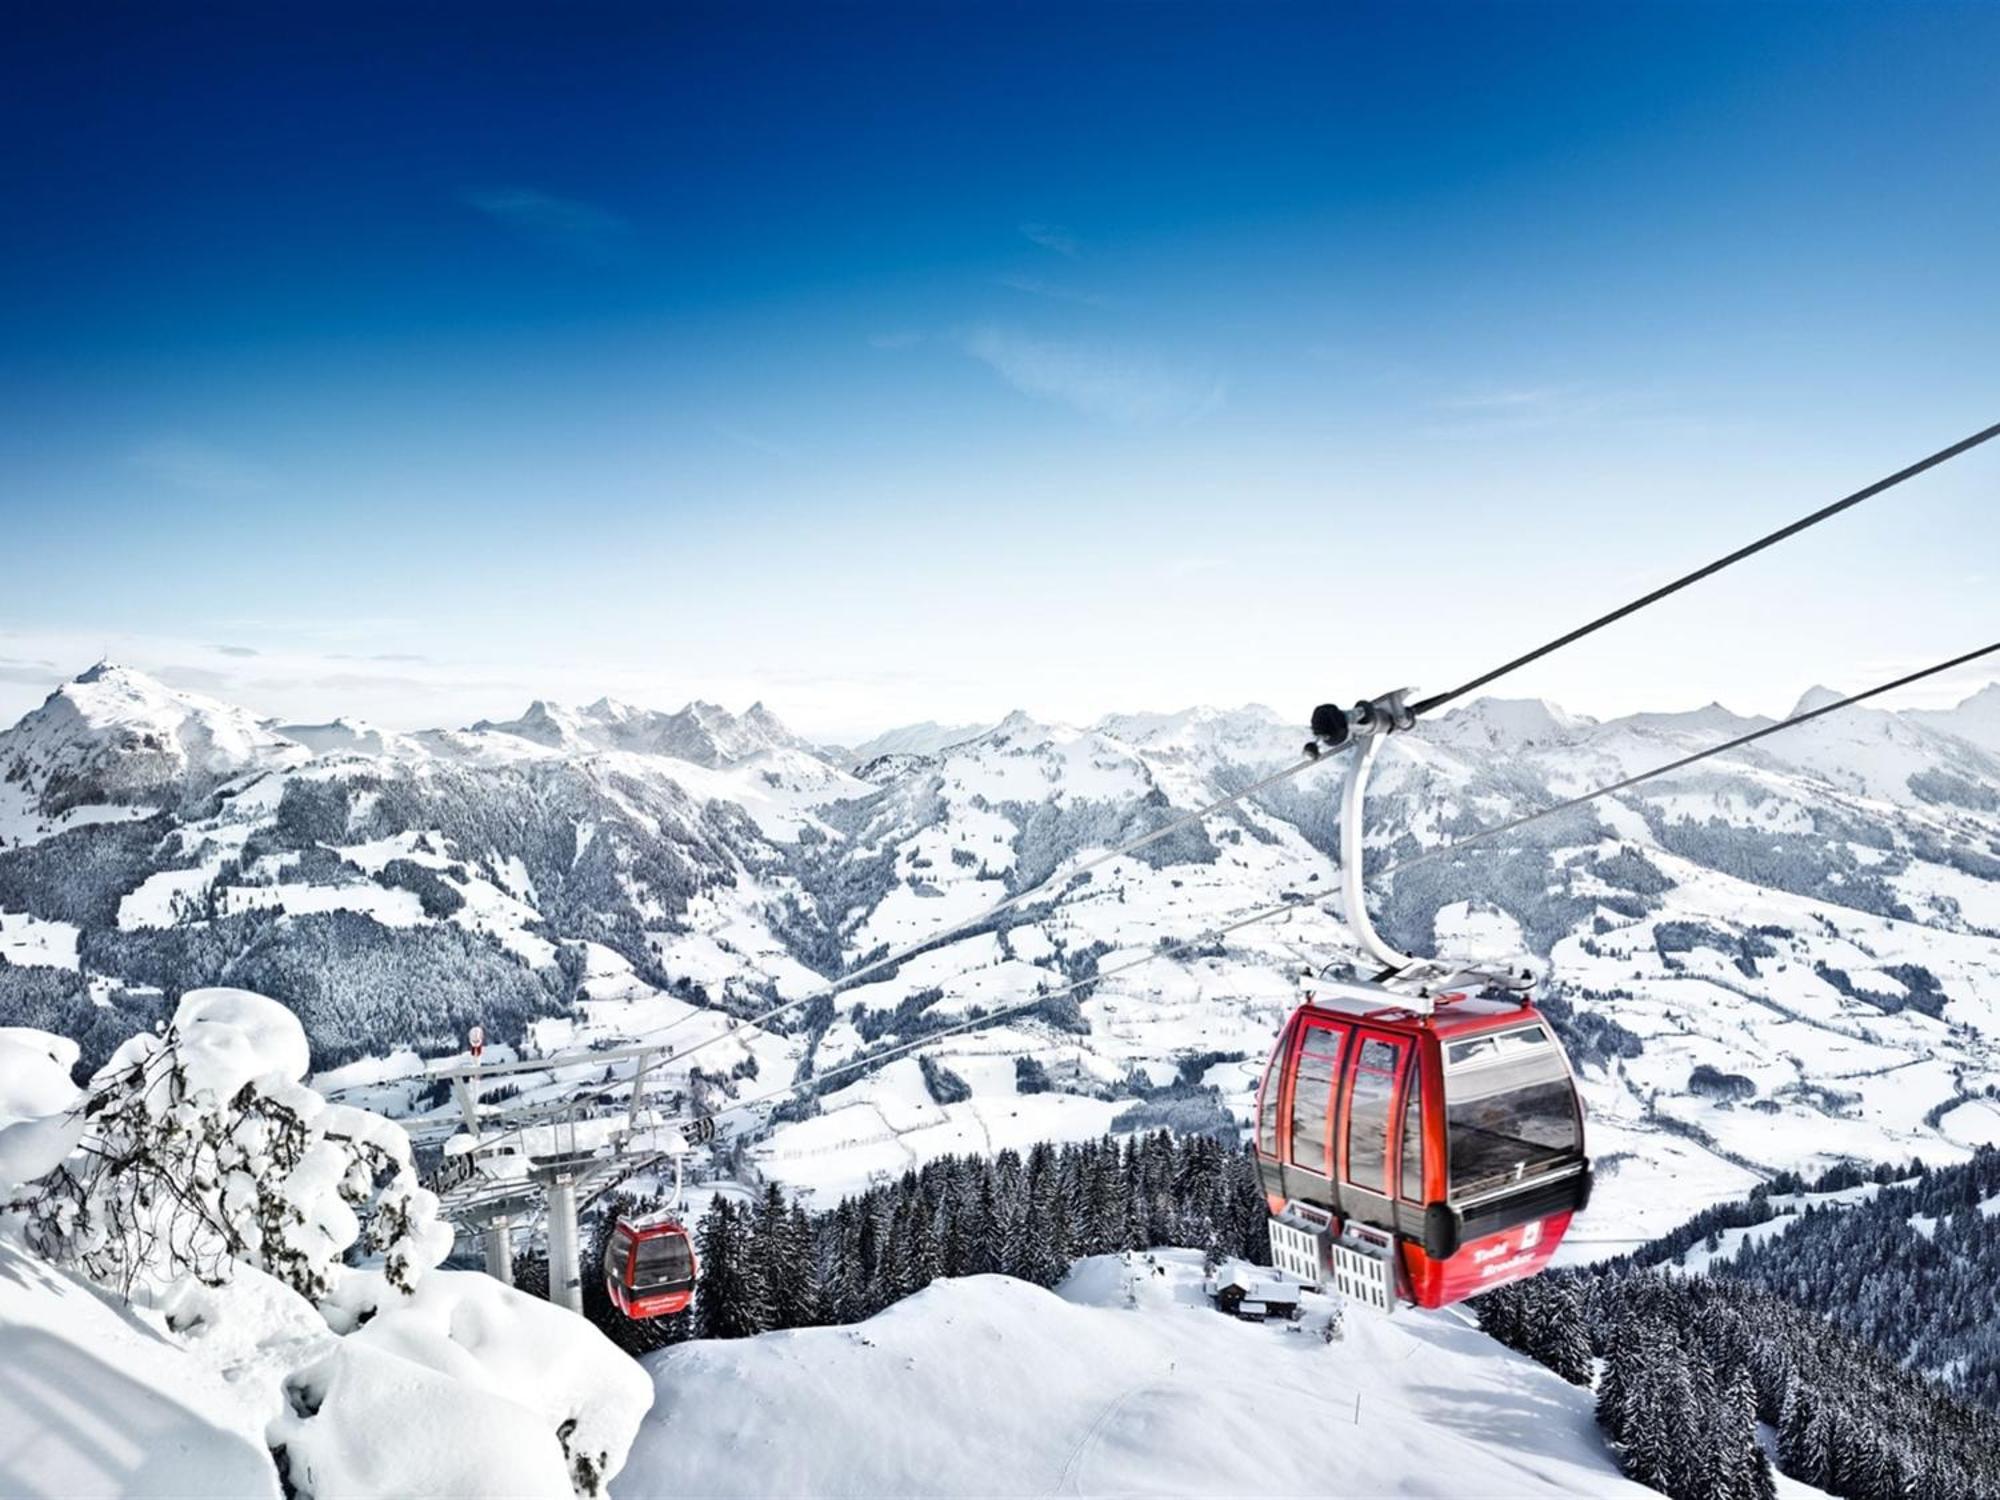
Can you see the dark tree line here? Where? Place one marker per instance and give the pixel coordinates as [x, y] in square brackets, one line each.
[772, 1264]
[1809, 1333]
[1913, 1271]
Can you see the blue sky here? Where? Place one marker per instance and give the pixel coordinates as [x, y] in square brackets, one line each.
[903, 363]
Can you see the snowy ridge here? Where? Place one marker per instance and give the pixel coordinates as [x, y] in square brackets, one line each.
[1122, 1381]
[1813, 922]
[117, 737]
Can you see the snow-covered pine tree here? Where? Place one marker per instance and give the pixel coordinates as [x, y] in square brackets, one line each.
[728, 1304]
[807, 1290]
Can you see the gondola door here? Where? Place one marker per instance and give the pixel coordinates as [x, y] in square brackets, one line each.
[1312, 1107]
[1369, 1126]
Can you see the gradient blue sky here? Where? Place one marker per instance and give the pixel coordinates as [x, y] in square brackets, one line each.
[901, 363]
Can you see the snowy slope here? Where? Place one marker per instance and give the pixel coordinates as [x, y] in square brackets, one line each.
[927, 738]
[1815, 919]
[97, 1401]
[1122, 1382]
[116, 738]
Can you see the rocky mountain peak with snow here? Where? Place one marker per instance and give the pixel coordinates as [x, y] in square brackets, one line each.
[114, 735]
[1497, 722]
[926, 738]
[704, 734]
[1813, 698]
[1977, 719]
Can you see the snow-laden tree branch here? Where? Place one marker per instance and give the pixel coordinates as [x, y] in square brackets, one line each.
[198, 1175]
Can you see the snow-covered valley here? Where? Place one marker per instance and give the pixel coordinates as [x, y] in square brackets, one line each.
[1774, 960]
[1761, 964]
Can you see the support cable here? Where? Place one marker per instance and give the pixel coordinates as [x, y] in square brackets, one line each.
[1827, 512]
[1265, 914]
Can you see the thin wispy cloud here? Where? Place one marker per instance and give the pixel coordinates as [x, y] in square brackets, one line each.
[1505, 409]
[201, 468]
[1052, 237]
[238, 650]
[1118, 386]
[755, 442]
[581, 230]
[1034, 286]
[1530, 399]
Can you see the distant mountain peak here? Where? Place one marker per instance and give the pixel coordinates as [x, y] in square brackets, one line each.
[114, 734]
[704, 733]
[1814, 698]
[1509, 721]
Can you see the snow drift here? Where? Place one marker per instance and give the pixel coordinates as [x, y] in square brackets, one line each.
[200, 1175]
[1123, 1381]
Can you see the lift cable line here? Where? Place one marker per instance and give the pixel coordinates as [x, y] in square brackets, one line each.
[1804, 523]
[1281, 908]
[1414, 710]
[1687, 760]
[563, 1191]
[1406, 714]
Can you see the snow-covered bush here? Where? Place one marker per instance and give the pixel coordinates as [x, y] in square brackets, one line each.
[458, 1388]
[38, 1127]
[202, 1147]
[199, 1175]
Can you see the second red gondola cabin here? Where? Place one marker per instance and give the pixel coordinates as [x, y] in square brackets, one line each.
[649, 1267]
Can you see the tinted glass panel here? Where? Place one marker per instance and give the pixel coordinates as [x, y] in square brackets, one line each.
[1497, 1136]
[1411, 1169]
[615, 1253]
[1368, 1115]
[1518, 1043]
[1267, 1100]
[1312, 1098]
[662, 1262]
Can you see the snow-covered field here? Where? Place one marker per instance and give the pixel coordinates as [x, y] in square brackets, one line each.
[1813, 923]
[1123, 1381]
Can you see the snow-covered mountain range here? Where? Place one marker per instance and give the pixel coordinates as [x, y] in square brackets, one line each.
[1773, 959]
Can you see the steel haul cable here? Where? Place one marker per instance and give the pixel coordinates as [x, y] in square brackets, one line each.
[1771, 539]
[1265, 914]
[1804, 523]
[1018, 898]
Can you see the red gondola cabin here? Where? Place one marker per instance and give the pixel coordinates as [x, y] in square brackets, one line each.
[649, 1267]
[1418, 1157]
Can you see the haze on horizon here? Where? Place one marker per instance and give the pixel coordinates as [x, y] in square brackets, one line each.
[902, 363]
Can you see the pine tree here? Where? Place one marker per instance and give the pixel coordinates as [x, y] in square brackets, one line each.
[808, 1295]
[718, 1305]
[1745, 1470]
[777, 1268]
[1615, 1394]
[1647, 1456]
[1561, 1338]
